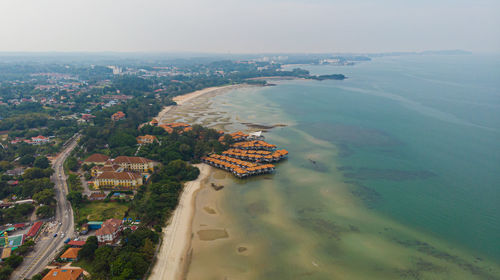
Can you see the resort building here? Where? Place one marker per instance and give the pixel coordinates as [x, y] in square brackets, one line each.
[154, 122]
[121, 180]
[146, 139]
[99, 169]
[180, 127]
[109, 231]
[118, 116]
[137, 164]
[74, 273]
[248, 156]
[97, 159]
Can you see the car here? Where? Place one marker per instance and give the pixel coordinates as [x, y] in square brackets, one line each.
[55, 234]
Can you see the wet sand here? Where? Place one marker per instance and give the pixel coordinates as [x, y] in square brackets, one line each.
[176, 112]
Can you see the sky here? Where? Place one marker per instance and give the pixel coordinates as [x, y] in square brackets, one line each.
[251, 26]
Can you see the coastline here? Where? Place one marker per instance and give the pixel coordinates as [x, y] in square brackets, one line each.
[185, 98]
[171, 259]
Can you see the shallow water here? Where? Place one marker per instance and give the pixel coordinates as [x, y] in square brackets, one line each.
[390, 176]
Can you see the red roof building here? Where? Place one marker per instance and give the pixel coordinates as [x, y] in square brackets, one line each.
[98, 159]
[34, 229]
[109, 231]
[76, 243]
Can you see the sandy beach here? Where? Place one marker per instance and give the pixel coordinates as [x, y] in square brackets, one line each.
[183, 99]
[171, 260]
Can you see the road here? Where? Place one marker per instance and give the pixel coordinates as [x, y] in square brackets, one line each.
[47, 246]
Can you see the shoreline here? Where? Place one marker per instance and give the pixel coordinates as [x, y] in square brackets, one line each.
[182, 99]
[176, 238]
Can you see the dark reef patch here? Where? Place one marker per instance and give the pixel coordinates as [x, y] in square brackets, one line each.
[432, 251]
[366, 173]
[368, 195]
[257, 208]
[325, 227]
[352, 135]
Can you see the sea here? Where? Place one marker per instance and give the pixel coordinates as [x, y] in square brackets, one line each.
[393, 173]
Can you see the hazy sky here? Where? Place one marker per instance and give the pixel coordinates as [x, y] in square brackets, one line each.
[251, 26]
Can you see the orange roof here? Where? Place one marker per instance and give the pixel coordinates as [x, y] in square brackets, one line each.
[167, 128]
[118, 115]
[63, 274]
[125, 159]
[71, 253]
[119, 175]
[146, 138]
[97, 158]
[113, 167]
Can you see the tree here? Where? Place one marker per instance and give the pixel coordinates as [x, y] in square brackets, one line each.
[36, 173]
[148, 250]
[5, 165]
[75, 198]
[45, 211]
[72, 163]
[5, 272]
[89, 248]
[14, 261]
[27, 160]
[45, 196]
[102, 258]
[42, 162]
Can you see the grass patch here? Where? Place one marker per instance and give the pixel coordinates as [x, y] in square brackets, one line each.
[100, 211]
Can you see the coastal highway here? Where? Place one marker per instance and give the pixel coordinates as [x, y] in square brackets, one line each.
[47, 245]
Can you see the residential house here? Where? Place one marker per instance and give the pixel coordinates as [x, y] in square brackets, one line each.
[87, 117]
[38, 140]
[97, 196]
[109, 231]
[70, 255]
[74, 273]
[15, 172]
[118, 116]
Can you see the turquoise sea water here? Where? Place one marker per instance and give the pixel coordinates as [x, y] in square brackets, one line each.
[436, 118]
[393, 173]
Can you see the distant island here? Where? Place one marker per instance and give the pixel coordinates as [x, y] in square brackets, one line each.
[328, 77]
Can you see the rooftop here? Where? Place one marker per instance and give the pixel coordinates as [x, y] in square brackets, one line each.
[63, 274]
[71, 253]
